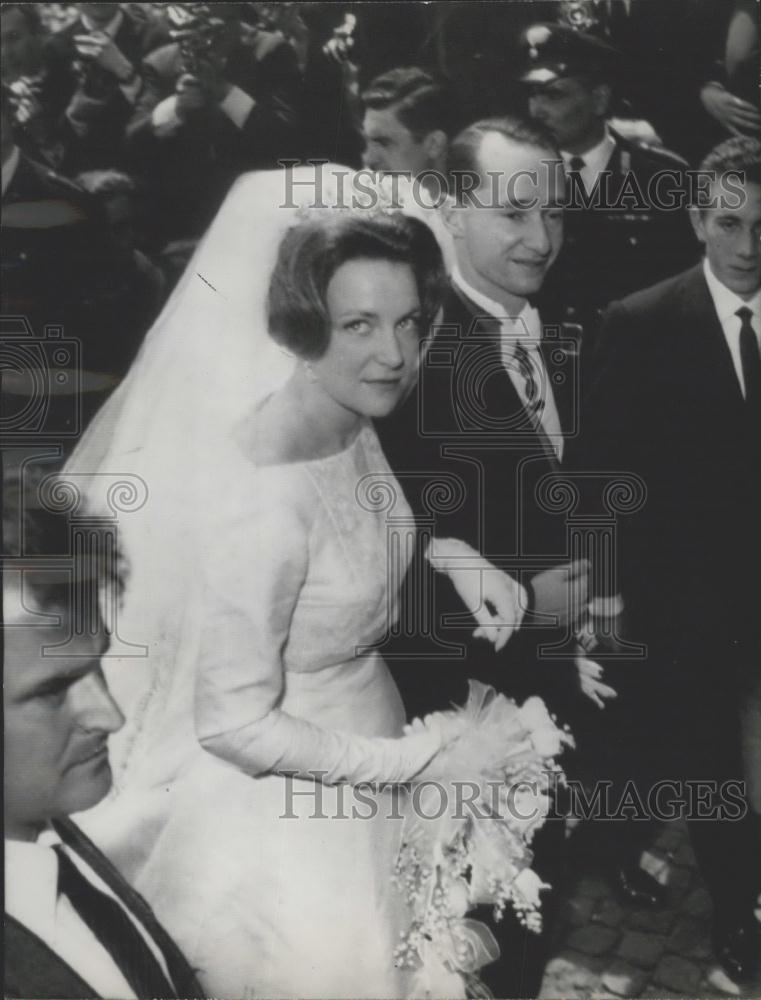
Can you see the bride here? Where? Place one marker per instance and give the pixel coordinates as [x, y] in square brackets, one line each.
[261, 573]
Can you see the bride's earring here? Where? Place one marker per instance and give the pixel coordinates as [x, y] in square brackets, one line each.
[309, 372]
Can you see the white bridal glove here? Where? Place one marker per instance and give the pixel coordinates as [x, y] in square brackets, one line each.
[482, 587]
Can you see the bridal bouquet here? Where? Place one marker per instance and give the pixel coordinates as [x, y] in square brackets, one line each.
[465, 839]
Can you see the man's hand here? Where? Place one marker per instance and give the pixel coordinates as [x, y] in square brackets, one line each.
[736, 115]
[590, 679]
[562, 591]
[339, 46]
[101, 49]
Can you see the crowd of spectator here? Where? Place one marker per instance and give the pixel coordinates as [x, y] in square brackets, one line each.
[126, 124]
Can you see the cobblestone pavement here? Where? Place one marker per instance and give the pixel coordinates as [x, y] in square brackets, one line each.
[605, 948]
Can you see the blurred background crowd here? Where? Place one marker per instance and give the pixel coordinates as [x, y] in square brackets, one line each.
[124, 125]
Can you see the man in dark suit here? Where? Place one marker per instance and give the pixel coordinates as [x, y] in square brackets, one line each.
[624, 226]
[203, 117]
[676, 398]
[487, 424]
[93, 78]
[73, 927]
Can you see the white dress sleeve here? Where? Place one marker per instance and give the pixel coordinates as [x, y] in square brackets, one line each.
[252, 586]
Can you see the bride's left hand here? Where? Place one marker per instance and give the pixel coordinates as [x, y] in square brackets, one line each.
[493, 598]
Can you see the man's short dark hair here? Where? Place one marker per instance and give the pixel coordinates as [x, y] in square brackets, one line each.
[311, 253]
[420, 102]
[465, 147]
[37, 539]
[739, 155]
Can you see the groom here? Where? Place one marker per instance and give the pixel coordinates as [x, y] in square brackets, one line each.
[494, 400]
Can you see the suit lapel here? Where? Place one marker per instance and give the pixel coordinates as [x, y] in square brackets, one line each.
[480, 356]
[559, 364]
[709, 354]
[481, 333]
[32, 969]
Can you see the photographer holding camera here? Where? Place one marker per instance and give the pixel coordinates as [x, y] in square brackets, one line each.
[221, 99]
[93, 80]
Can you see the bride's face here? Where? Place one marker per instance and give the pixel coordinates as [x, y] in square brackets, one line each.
[375, 318]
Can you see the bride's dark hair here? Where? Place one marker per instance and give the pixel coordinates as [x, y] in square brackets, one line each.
[311, 253]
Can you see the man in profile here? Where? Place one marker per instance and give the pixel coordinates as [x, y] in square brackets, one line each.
[408, 119]
[73, 927]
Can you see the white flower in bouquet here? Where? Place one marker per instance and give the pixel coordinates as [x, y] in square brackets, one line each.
[528, 885]
[546, 737]
[453, 859]
[527, 810]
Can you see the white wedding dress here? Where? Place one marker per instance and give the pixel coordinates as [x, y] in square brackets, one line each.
[255, 591]
[269, 886]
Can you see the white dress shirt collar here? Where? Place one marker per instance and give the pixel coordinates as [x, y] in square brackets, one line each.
[726, 302]
[31, 882]
[595, 159]
[527, 318]
[110, 29]
[10, 167]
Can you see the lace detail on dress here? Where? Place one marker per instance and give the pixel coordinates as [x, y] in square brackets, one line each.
[366, 507]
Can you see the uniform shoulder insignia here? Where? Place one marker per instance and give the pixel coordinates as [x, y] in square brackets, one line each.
[666, 157]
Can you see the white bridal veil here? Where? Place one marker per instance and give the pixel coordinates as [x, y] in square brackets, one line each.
[170, 427]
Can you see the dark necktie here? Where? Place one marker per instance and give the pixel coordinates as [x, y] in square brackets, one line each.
[750, 358]
[573, 172]
[113, 928]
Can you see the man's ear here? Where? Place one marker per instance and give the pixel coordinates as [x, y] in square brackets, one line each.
[602, 95]
[698, 225]
[435, 144]
[452, 214]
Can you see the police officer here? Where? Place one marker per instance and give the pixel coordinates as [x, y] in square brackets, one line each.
[626, 227]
